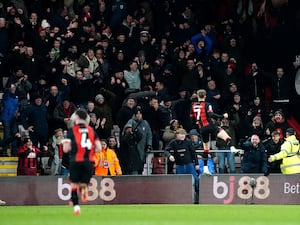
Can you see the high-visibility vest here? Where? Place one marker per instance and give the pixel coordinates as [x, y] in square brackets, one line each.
[290, 156]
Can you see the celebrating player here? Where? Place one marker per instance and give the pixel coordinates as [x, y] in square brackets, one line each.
[202, 116]
[82, 142]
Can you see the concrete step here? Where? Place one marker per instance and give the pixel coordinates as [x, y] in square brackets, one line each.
[8, 166]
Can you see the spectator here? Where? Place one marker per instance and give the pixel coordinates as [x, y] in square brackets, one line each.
[87, 73]
[203, 45]
[99, 125]
[132, 76]
[41, 87]
[280, 93]
[169, 104]
[4, 36]
[255, 157]
[239, 106]
[161, 90]
[219, 71]
[28, 159]
[118, 86]
[144, 43]
[142, 61]
[277, 122]
[130, 26]
[170, 76]
[62, 113]
[121, 44]
[103, 65]
[257, 108]
[273, 146]
[168, 135]
[103, 107]
[233, 46]
[125, 112]
[118, 13]
[147, 79]
[182, 108]
[9, 118]
[107, 162]
[229, 77]
[119, 61]
[190, 78]
[230, 127]
[289, 153]
[23, 87]
[254, 83]
[257, 128]
[213, 95]
[56, 152]
[90, 107]
[113, 144]
[88, 60]
[227, 95]
[34, 119]
[81, 89]
[32, 64]
[182, 152]
[158, 118]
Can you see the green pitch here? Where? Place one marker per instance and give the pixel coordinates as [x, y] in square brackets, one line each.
[152, 214]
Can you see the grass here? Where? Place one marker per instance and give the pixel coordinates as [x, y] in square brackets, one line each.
[152, 214]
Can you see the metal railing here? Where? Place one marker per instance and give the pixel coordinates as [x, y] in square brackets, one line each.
[151, 154]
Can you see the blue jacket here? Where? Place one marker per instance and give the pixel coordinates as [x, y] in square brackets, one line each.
[208, 44]
[254, 159]
[10, 106]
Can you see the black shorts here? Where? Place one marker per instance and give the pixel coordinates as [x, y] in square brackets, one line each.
[211, 129]
[81, 172]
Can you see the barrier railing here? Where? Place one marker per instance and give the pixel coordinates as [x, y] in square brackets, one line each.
[151, 154]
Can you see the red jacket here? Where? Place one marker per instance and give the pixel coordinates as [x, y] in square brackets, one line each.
[28, 163]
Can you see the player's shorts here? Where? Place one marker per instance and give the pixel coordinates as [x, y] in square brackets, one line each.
[207, 130]
[81, 172]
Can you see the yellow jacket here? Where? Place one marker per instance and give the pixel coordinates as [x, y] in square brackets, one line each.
[290, 156]
[106, 160]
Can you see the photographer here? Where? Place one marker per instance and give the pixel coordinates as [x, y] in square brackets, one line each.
[130, 159]
[141, 125]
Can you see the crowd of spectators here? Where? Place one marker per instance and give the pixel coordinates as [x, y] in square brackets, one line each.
[109, 56]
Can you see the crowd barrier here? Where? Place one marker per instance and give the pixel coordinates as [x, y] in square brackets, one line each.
[149, 159]
[155, 189]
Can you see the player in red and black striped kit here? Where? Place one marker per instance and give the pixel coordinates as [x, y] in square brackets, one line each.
[203, 117]
[81, 143]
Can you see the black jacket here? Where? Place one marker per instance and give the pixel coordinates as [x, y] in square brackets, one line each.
[183, 152]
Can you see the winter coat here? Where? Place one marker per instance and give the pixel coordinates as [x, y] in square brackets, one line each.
[10, 106]
[254, 159]
[144, 128]
[130, 157]
[183, 152]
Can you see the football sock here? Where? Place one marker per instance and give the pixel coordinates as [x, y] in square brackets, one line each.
[74, 196]
[205, 156]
